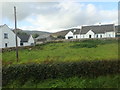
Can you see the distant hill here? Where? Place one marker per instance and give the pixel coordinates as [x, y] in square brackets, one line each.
[35, 32]
[40, 33]
[43, 34]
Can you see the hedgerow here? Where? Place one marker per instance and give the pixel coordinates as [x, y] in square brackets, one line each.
[38, 72]
[84, 45]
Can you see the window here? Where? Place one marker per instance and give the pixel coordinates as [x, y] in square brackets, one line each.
[109, 35]
[6, 45]
[97, 35]
[101, 36]
[21, 43]
[83, 36]
[32, 44]
[5, 36]
[76, 36]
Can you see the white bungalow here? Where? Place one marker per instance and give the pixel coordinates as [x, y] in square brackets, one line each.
[73, 34]
[26, 40]
[69, 35]
[95, 31]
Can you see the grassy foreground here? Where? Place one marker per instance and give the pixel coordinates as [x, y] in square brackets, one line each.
[62, 52]
[111, 81]
[66, 51]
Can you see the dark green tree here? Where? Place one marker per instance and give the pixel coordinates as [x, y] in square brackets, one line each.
[60, 37]
[35, 35]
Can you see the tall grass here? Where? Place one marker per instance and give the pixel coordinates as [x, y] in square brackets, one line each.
[66, 51]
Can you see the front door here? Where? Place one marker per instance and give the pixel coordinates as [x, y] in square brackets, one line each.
[6, 45]
[90, 36]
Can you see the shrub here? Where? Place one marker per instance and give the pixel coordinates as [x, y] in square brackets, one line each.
[61, 37]
[92, 43]
[39, 72]
[84, 45]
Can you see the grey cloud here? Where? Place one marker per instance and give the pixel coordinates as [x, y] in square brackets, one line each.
[56, 15]
[25, 9]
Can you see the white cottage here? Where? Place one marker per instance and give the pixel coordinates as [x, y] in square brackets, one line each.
[95, 31]
[73, 34]
[7, 37]
[26, 40]
[98, 31]
[69, 35]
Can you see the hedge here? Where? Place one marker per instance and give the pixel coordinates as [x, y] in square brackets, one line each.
[39, 72]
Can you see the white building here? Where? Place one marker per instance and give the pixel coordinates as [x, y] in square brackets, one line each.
[26, 40]
[69, 35]
[95, 31]
[7, 38]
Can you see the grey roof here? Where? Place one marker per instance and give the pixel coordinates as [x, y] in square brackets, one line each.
[98, 28]
[24, 38]
[64, 32]
[2, 25]
[77, 31]
[74, 31]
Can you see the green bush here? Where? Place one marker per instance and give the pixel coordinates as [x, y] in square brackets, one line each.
[99, 41]
[38, 72]
[85, 45]
[92, 43]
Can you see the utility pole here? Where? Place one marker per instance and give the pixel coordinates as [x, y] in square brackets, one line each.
[16, 34]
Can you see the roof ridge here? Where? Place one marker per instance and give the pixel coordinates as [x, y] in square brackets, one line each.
[2, 25]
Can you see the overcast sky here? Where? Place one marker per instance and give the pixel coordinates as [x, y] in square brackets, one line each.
[56, 16]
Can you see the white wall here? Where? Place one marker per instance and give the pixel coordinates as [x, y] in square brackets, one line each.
[31, 40]
[106, 35]
[26, 44]
[0, 38]
[69, 34]
[100, 35]
[110, 34]
[77, 36]
[82, 36]
[11, 42]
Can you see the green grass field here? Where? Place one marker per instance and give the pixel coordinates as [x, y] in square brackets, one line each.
[66, 51]
[110, 81]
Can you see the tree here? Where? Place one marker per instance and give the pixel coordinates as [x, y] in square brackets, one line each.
[21, 33]
[60, 37]
[35, 35]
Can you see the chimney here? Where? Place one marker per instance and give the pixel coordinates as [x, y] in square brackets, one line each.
[99, 24]
[74, 30]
